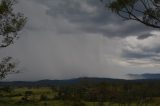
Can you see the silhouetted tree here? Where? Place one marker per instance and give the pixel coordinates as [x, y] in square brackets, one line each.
[7, 67]
[27, 95]
[146, 12]
[43, 97]
[10, 24]
[102, 93]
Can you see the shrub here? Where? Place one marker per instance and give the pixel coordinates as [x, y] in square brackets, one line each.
[43, 97]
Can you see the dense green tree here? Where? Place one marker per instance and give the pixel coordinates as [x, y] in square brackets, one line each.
[10, 24]
[146, 12]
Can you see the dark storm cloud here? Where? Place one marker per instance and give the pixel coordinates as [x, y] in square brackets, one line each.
[144, 53]
[90, 16]
[144, 36]
[137, 55]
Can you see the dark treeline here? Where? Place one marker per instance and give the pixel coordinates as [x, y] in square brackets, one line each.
[120, 92]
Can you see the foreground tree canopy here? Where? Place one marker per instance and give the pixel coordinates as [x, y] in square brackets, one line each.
[146, 12]
[10, 24]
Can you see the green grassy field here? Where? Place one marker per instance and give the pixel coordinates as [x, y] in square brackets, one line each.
[44, 96]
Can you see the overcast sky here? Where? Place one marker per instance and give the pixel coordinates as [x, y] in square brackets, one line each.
[80, 38]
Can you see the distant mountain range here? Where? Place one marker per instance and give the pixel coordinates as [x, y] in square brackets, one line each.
[57, 82]
[137, 78]
[144, 76]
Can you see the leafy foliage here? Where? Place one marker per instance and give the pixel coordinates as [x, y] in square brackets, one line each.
[10, 24]
[7, 67]
[143, 11]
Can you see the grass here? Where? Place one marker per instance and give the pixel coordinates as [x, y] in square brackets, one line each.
[14, 98]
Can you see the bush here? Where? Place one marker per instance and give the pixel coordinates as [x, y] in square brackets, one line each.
[78, 104]
[43, 97]
[28, 93]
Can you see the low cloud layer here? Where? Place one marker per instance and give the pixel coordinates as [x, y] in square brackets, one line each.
[144, 76]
